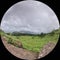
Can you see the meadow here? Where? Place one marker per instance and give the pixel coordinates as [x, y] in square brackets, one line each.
[31, 42]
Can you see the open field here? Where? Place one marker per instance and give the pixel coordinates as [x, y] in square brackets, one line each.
[32, 43]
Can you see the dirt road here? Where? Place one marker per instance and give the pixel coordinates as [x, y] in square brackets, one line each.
[25, 54]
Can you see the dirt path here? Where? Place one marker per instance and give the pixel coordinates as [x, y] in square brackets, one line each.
[20, 52]
[25, 54]
[46, 49]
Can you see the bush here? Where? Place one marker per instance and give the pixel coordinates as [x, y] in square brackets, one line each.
[42, 35]
[10, 41]
[52, 33]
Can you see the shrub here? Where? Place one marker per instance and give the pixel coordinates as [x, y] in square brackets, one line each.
[42, 35]
[10, 41]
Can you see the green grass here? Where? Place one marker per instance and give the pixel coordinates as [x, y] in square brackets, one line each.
[33, 42]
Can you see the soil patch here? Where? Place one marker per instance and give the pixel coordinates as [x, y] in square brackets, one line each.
[20, 52]
[46, 49]
[25, 54]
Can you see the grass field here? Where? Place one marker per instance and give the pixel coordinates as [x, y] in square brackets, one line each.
[32, 42]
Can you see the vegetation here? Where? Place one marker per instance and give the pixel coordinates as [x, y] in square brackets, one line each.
[31, 42]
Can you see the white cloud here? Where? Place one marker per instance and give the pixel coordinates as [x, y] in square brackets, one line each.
[30, 16]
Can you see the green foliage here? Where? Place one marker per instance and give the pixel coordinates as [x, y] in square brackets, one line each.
[10, 41]
[32, 42]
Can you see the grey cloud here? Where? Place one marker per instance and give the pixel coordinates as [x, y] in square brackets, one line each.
[30, 16]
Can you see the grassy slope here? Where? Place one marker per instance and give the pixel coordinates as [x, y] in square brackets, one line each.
[33, 43]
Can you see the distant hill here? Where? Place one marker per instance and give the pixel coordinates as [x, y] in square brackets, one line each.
[16, 33]
[1, 30]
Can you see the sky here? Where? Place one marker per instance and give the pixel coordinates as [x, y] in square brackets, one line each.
[32, 16]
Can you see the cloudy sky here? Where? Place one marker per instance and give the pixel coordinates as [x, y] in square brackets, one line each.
[30, 16]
